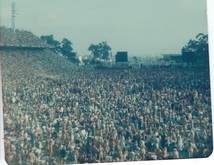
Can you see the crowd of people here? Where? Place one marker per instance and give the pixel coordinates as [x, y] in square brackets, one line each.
[89, 115]
[23, 63]
[19, 38]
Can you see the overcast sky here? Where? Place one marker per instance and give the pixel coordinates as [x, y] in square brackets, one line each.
[141, 27]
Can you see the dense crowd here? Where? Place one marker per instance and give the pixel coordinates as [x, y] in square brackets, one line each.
[19, 64]
[106, 115]
[19, 38]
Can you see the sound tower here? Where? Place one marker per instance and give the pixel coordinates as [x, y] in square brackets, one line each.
[189, 57]
[121, 57]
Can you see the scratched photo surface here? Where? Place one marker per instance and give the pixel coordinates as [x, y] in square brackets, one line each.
[105, 81]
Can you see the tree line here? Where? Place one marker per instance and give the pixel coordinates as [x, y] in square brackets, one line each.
[102, 51]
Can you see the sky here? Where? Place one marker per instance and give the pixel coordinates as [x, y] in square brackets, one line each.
[141, 27]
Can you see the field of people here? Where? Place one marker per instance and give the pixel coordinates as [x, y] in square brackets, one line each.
[107, 115]
[59, 113]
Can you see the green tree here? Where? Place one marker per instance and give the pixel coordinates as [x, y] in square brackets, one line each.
[200, 47]
[67, 51]
[50, 40]
[100, 51]
[66, 48]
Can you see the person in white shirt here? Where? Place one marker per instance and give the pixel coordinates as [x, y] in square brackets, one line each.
[175, 154]
[191, 148]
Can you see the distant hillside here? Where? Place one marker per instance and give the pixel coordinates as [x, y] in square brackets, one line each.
[23, 62]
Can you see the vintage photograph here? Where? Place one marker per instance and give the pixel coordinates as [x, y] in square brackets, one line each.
[99, 81]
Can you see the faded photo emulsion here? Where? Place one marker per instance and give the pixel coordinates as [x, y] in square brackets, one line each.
[104, 81]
